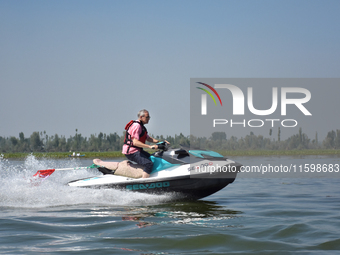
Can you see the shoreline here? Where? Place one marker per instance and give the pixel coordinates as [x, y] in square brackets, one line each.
[118, 154]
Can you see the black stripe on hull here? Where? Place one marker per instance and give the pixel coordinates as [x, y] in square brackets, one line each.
[186, 188]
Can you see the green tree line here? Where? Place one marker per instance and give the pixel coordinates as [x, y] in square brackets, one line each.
[41, 142]
[300, 141]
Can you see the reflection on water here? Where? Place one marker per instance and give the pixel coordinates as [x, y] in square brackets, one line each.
[201, 213]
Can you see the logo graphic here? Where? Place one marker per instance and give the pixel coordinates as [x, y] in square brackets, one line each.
[154, 185]
[281, 99]
[204, 97]
[239, 99]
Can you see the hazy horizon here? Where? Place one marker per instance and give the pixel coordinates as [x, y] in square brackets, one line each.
[92, 65]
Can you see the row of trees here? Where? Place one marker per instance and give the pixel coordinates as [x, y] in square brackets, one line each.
[41, 142]
[219, 140]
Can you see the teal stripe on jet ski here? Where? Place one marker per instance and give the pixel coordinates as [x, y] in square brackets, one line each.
[160, 164]
[200, 153]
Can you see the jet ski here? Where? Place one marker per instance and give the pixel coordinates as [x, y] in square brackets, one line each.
[183, 173]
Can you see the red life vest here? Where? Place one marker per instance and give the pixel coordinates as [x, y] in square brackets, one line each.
[142, 136]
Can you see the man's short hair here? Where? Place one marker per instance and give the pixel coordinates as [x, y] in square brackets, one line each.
[141, 113]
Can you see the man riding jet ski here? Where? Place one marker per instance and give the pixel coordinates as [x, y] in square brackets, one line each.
[136, 136]
[182, 172]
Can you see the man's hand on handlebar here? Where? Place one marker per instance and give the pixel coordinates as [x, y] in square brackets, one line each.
[154, 147]
[160, 145]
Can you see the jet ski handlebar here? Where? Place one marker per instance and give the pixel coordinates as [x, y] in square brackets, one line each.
[162, 146]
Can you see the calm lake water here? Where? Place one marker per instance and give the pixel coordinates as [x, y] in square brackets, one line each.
[276, 213]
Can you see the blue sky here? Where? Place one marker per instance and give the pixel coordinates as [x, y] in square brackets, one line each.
[92, 65]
